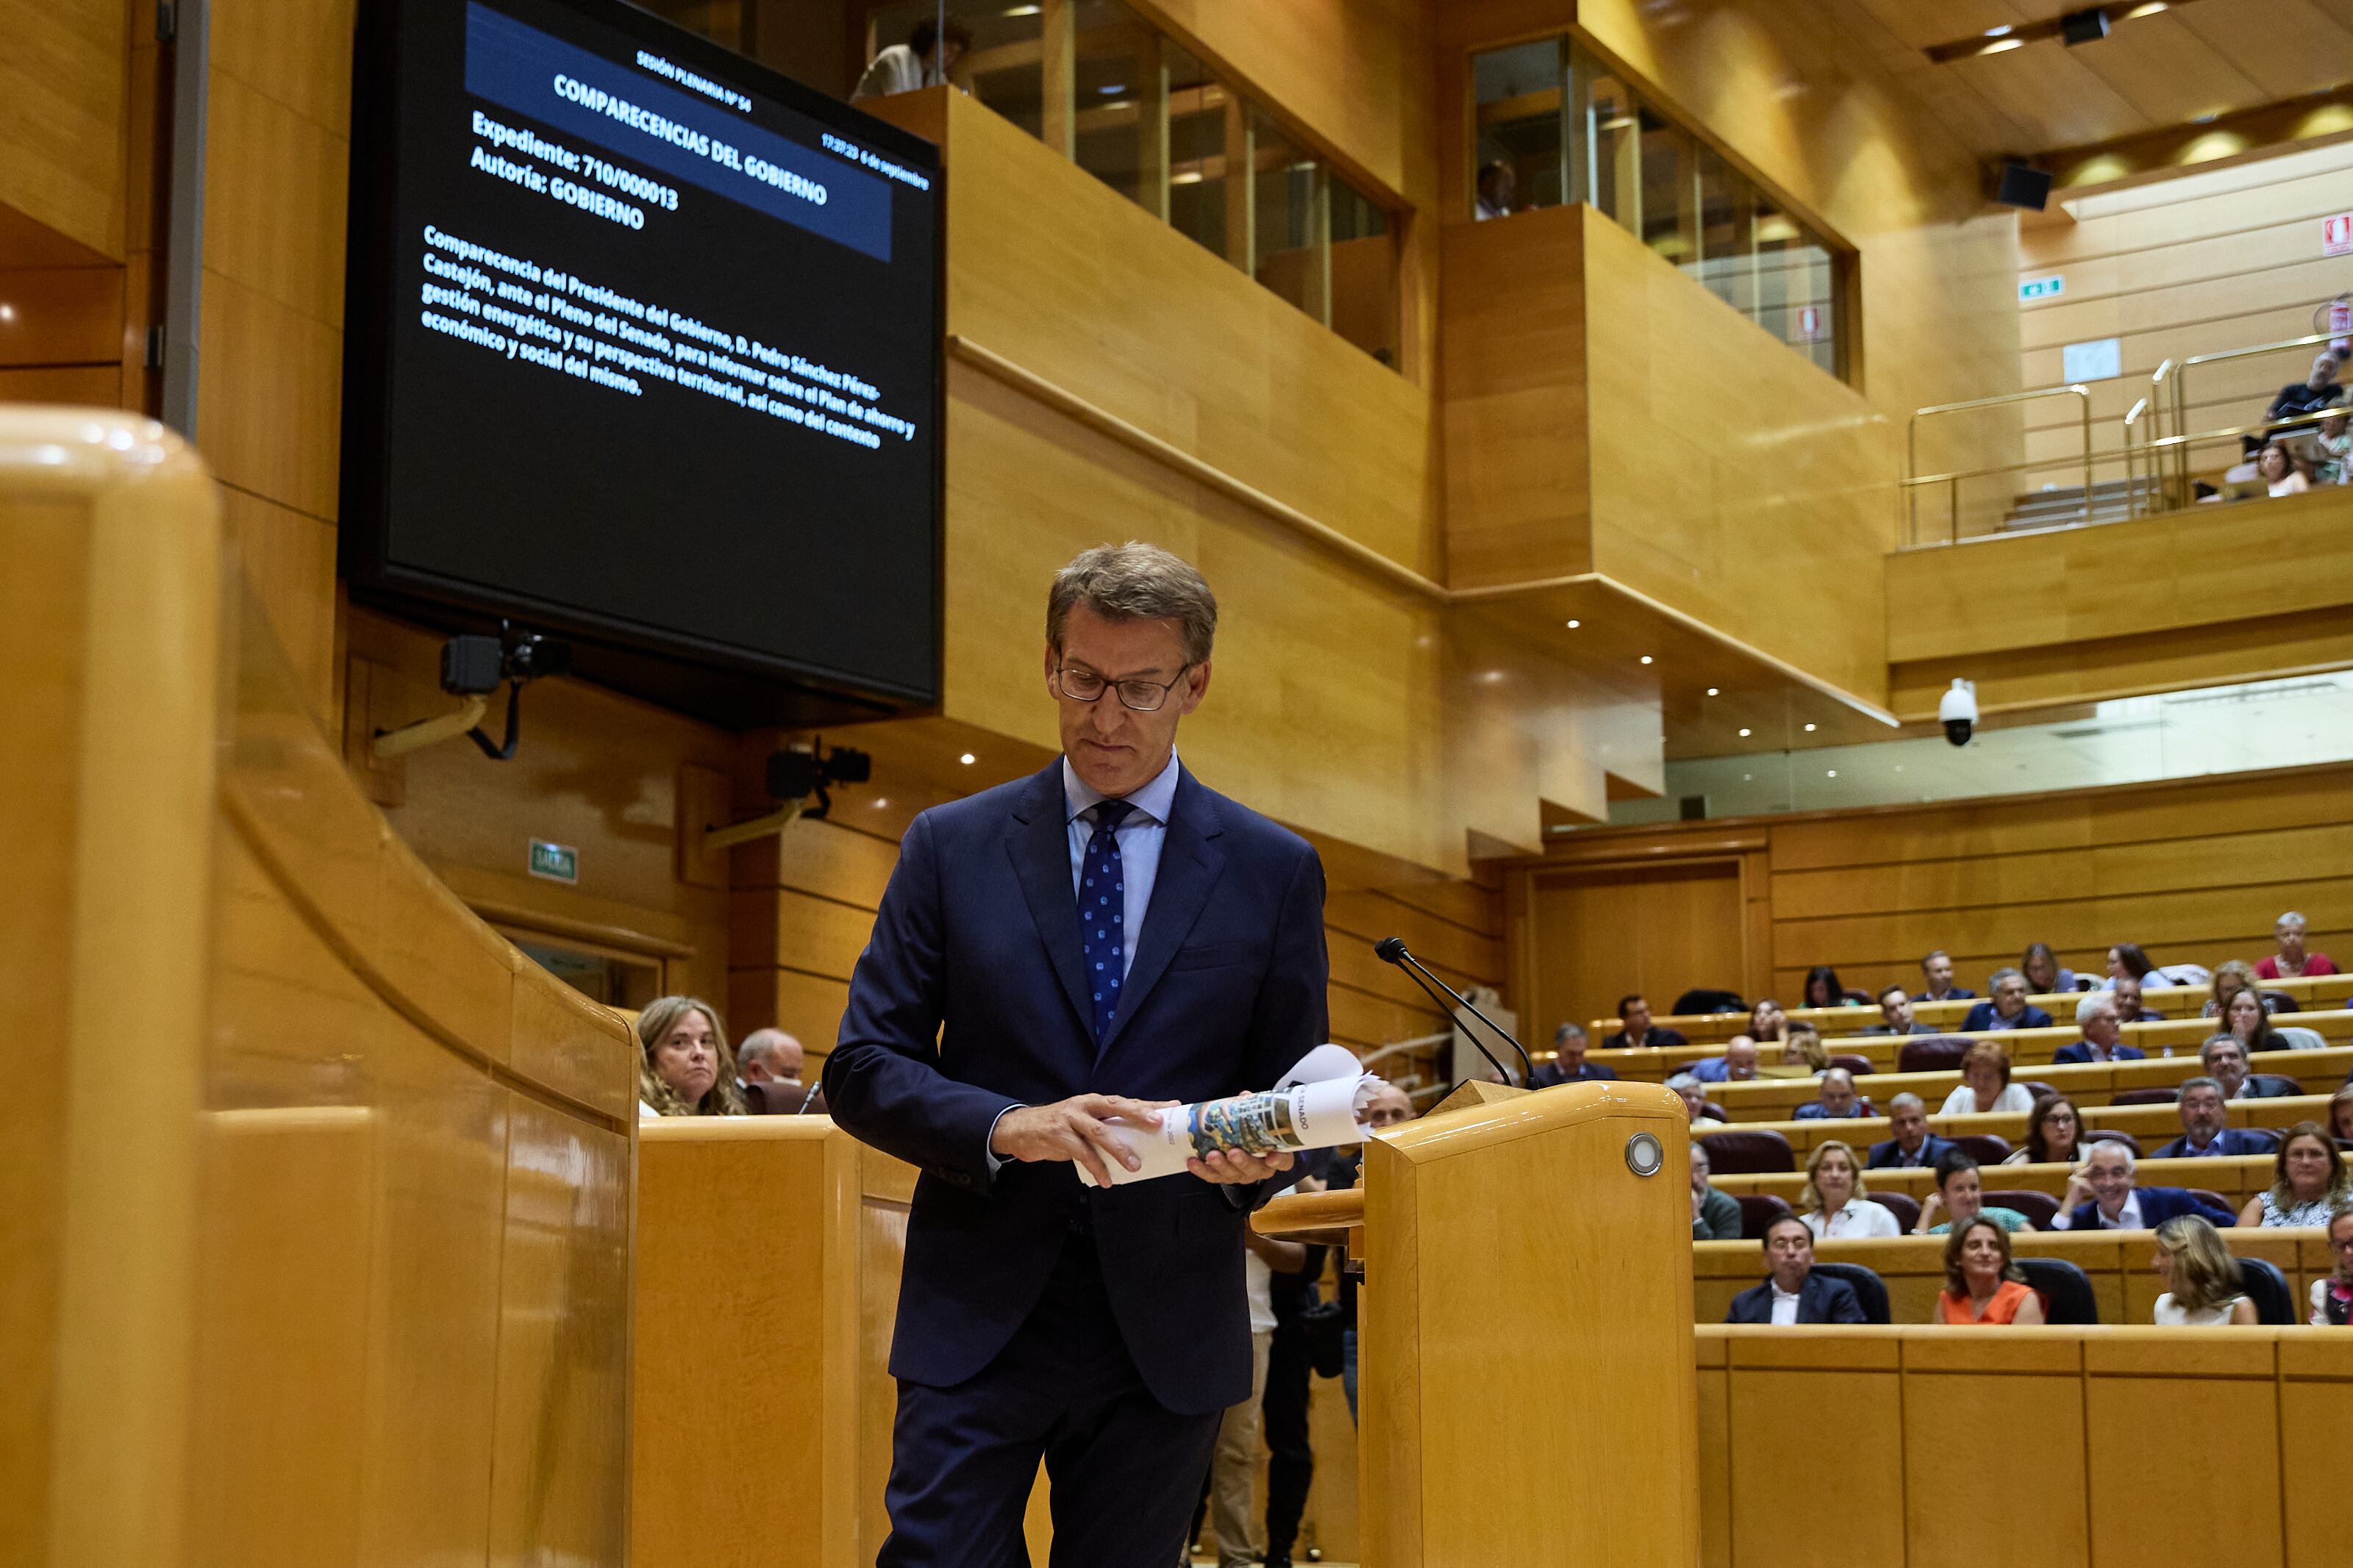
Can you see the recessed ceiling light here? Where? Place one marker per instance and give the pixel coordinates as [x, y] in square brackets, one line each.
[1809, 729]
[1646, 658]
[1710, 691]
[1744, 731]
[1833, 773]
[8, 313]
[1899, 768]
[1574, 625]
[1023, 11]
[968, 759]
[881, 802]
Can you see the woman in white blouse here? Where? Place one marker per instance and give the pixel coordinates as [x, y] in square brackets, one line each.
[1985, 1084]
[1832, 1201]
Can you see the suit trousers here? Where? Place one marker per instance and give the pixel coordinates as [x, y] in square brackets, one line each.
[1235, 1469]
[1125, 1469]
[1290, 1457]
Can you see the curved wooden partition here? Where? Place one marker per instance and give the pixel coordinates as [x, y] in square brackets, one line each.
[319, 1195]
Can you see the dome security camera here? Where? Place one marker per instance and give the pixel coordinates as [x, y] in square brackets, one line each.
[1957, 711]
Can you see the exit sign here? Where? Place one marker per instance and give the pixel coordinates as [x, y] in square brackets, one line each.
[556, 862]
[2048, 288]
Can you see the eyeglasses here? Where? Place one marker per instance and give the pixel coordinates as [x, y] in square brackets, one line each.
[1080, 684]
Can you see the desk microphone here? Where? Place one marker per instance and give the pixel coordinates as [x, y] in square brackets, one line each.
[1391, 950]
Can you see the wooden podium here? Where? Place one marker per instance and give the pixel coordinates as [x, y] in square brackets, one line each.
[1527, 1383]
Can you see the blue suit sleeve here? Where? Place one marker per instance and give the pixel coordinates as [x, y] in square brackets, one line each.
[883, 1081]
[1290, 1017]
[2221, 1219]
[1845, 1307]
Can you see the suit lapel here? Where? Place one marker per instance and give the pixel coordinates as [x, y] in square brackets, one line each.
[1190, 861]
[1039, 845]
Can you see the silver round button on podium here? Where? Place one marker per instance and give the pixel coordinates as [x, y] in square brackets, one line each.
[1645, 1154]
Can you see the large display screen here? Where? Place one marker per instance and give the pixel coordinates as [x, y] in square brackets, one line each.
[644, 349]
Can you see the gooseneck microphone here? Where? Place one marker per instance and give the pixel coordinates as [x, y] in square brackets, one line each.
[1392, 950]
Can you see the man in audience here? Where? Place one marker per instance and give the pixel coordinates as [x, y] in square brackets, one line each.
[2126, 989]
[1634, 1028]
[769, 1056]
[1568, 1064]
[2103, 1036]
[1695, 1103]
[1736, 1065]
[1896, 1006]
[2225, 1060]
[2007, 1008]
[1716, 1216]
[1795, 1293]
[1837, 1101]
[2316, 391]
[1499, 191]
[1938, 970]
[2202, 1132]
[2101, 1195]
[1914, 1144]
[923, 60]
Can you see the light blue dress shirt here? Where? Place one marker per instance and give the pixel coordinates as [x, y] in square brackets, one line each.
[1140, 838]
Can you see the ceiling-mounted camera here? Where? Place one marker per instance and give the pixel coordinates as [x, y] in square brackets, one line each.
[1957, 711]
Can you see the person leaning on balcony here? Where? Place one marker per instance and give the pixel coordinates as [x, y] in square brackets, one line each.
[924, 60]
[2278, 472]
[2314, 391]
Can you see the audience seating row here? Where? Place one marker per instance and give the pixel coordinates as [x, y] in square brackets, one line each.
[2027, 1047]
[2118, 1263]
[2085, 1083]
[2314, 993]
[2236, 1178]
[2149, 1124]
[2141, 1445]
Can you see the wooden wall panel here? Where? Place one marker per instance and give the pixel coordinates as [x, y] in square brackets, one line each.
[2196, 871]
[2197, 264]
[1602, 933]
[65, 117]
[2059, 1399]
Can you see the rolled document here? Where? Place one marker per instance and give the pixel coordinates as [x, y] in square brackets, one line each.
[1318, 1104]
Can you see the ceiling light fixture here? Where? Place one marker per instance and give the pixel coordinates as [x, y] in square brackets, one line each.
[1574, 625]
[2086, 24]
[1832, 774]
[1809, 729]
[1744, 731]
[968, 759]
[1710, 691]
[1646, 658]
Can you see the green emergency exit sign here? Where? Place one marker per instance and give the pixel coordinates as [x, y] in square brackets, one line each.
[2048, 288]
[556, 862]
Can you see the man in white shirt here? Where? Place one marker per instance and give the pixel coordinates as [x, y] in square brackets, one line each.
[923, 60]
[2101, 1196]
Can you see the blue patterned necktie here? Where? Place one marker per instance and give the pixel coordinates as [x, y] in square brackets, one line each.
[1102, 911]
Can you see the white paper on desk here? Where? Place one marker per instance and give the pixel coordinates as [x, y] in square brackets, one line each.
[1316, 1105]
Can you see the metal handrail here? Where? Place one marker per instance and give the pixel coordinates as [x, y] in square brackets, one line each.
[2132, 471]
[1912, 476]
[2181, 391]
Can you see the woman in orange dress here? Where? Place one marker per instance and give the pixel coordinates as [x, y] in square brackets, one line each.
[1981, 1284]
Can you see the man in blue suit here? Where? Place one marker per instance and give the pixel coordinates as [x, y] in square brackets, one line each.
[1568, 1064]
[1052, 957]
[1837, 1101]
[2103, 1036]
[1795, 1293]
[2006, 1008]
[1914, 1144]
[2101, 1196]
[2202, 1132]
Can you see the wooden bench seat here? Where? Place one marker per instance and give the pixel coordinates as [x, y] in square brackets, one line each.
[2116, 1261]
[2152, 1124]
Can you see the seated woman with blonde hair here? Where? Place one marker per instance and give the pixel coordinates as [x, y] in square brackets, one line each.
[1982, 1285]
[1832, 1202]
[2202, 1276]
[684, 1067]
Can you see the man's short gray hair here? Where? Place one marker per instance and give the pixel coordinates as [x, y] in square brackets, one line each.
[2206, 1051]
[1998, 975]
[1135, 582]
[1566, 1030]
[2093, 1001]
[2188, 1084]
[1908, 1101]
[2112, 1146]
[2292, 919]
[1684, 1080]
[762, 1044]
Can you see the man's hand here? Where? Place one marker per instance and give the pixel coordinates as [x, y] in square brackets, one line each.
[1075, 1129]
[1235, 1170]
[2079, 1193]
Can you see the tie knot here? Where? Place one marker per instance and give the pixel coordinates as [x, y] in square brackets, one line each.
[1109, 814]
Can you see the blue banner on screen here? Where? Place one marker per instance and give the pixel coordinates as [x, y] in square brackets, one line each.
[622, 111]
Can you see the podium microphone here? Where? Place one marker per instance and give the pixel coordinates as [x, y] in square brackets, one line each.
[1391, 950]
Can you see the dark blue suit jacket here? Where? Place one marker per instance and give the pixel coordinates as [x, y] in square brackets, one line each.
[1885, 1155]
[2158, 1204]
[1820, 1299]
[2080, 1052]
[968, 1000]
[1550, 1074]
[2234, 1141]
[1981, 1018]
